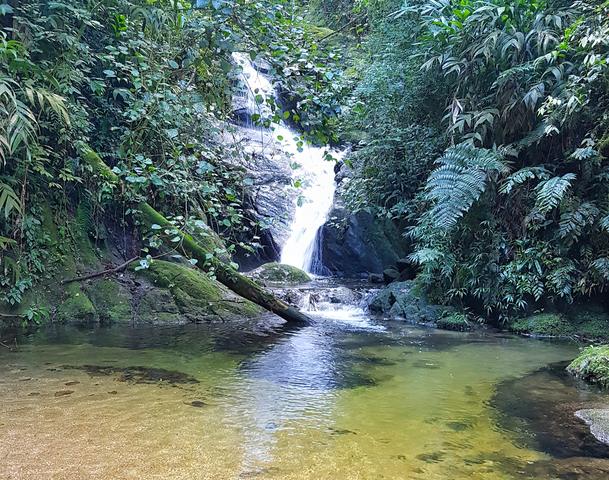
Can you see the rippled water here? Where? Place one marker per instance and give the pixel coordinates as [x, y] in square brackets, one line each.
[345, 398]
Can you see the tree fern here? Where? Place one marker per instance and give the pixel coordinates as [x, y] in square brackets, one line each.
[551, 192]
[459, 181]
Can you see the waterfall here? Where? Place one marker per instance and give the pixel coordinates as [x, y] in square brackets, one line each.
[312, 172]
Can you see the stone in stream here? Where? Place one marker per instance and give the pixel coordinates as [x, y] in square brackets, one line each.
[63, 393]
[433, 457]
[390, 275]
[598, 421]
[400, 300]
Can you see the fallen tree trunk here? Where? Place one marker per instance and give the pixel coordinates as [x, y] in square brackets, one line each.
[238, 283]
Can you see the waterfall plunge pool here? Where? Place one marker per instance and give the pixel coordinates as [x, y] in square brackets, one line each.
[339, 399]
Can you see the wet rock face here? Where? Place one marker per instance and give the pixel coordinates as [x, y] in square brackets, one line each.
[354, 245]
[270, 197]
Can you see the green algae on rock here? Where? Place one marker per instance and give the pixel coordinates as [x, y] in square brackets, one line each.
[197, 296]
[592, 365]
[280, 273]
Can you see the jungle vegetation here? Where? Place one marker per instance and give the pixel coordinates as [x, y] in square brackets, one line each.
[482, 127]
[143, 87]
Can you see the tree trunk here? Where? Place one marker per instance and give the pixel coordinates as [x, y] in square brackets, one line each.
[240, 284]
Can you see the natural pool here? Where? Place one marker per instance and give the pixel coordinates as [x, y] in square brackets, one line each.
[341, 399]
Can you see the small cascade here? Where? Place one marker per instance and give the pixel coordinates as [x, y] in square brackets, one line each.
[311, 170]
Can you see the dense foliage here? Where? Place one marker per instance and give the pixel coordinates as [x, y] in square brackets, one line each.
[147, 84]
[515, 213]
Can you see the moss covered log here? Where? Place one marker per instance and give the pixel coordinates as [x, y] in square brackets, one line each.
[225, 274]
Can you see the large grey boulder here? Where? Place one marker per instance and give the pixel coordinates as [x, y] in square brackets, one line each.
[400, 300]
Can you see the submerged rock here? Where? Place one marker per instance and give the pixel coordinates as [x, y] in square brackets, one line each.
[538, 410]
[138, 374]
[63, 393]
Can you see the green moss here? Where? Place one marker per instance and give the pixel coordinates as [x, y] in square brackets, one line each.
[590, 321]
[195, 294]
[592, 365]
[111, 303]
[544, 324]
[454, 321]
[280, 273]
[99, 167]
[76, 307]
[81, 228]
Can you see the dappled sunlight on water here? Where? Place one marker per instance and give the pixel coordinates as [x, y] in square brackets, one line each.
[332, 400]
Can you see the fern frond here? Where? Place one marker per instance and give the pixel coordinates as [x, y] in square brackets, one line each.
[601, 265]
[573, 223]
[460, 181]
[521, 176]
[551, 192]
[604, 223]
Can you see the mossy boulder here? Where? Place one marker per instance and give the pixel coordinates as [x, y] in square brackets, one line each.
[545, 325]
[111, 300]
[76, 306]
[592, 365]
[195, 295]
[278, 273]
[457, 322]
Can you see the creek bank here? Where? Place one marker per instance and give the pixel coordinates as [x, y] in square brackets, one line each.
[586, 322]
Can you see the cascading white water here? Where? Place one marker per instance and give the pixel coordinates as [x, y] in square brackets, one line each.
[314, 173]
[316, 200]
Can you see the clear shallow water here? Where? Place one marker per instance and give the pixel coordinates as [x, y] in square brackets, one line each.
[340, 399]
